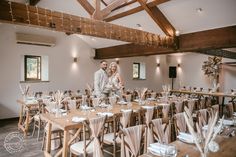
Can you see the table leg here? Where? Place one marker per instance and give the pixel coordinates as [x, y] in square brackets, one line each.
[26, 123]
[65, 143]
[222, 106]
[48, 140]
[20, 117]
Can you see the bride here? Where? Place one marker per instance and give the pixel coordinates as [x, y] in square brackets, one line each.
[115, 82]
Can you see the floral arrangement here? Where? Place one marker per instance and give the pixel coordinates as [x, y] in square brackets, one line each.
[211, 67]
[141, 93]
[25, 90]
[204, 140]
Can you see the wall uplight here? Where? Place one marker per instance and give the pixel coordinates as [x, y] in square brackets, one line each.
[158, 64]
[117, 61]
[75, 59]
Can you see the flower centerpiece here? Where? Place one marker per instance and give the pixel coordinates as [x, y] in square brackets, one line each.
[204, 140]
[166, 92]
[24, 91]
[211, 68]
[58, 98]
[141, 95]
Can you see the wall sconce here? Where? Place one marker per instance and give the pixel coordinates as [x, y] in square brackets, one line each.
[158, 64]
[117, 61]
[75, 59]
[179, 65]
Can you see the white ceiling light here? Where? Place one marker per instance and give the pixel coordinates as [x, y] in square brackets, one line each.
[177, 32]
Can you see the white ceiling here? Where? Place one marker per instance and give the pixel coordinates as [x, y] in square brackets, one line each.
[182, 14]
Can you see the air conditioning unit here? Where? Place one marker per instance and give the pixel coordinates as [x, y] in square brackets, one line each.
[33, 39]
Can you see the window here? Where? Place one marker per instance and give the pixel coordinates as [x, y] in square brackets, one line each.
[139, 71]
[32, 66]
[136, 68]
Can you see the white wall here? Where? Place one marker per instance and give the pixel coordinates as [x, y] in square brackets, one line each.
[63, 73]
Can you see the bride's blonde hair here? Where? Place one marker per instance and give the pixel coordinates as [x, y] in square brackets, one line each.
[112, 64]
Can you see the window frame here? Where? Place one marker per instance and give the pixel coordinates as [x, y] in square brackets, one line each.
[135, 63]
[38, 67]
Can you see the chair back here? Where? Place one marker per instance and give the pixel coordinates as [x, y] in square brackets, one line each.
[180, 123]
[132, 137]
[161, 131]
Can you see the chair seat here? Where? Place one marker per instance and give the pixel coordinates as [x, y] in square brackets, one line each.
[78, 148]
[108, 138]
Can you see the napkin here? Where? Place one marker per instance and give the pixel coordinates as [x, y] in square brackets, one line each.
[147, 107]
[109, 114]
[76, 119]
[122, 102]
[151, 99]
[27, 102]
[125, 110]
[185, 137]
[161, 149]
[228, 122]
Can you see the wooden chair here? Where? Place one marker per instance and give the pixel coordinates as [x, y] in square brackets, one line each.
[161, 130]
[180, 123]
[93, 145]
[120, 121]
[132, 140]
[229, 110]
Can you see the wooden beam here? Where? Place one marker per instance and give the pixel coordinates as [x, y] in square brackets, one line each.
[125, 4]
[87, 6]
[134, 10]
[104, 2]
[107, 10]
[159, 18]
[129, 50]
[16, 13]
[192, 42]
[219, 53]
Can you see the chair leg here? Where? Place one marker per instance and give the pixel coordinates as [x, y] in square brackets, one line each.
[44, 135]
[39, 129]
[33, 129]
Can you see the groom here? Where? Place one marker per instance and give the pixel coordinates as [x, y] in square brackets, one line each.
[101, 80]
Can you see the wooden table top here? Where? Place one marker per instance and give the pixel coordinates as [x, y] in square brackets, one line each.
[204, 93]
[65, 122]
[227, 148]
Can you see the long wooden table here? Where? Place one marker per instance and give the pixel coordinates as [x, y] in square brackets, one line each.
[214, 94]
[227, 148]
[65, 123]
[24, 115]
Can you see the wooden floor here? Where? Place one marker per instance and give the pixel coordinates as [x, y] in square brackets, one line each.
[32, 147]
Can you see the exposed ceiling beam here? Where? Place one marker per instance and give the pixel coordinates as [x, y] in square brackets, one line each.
[192, 42]
[104, 2]
[159, 18]
[134, 10]
[33, 2]
[87, 6]
[107, 10]
[125, 4]
[219, 53]
[17, 13]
